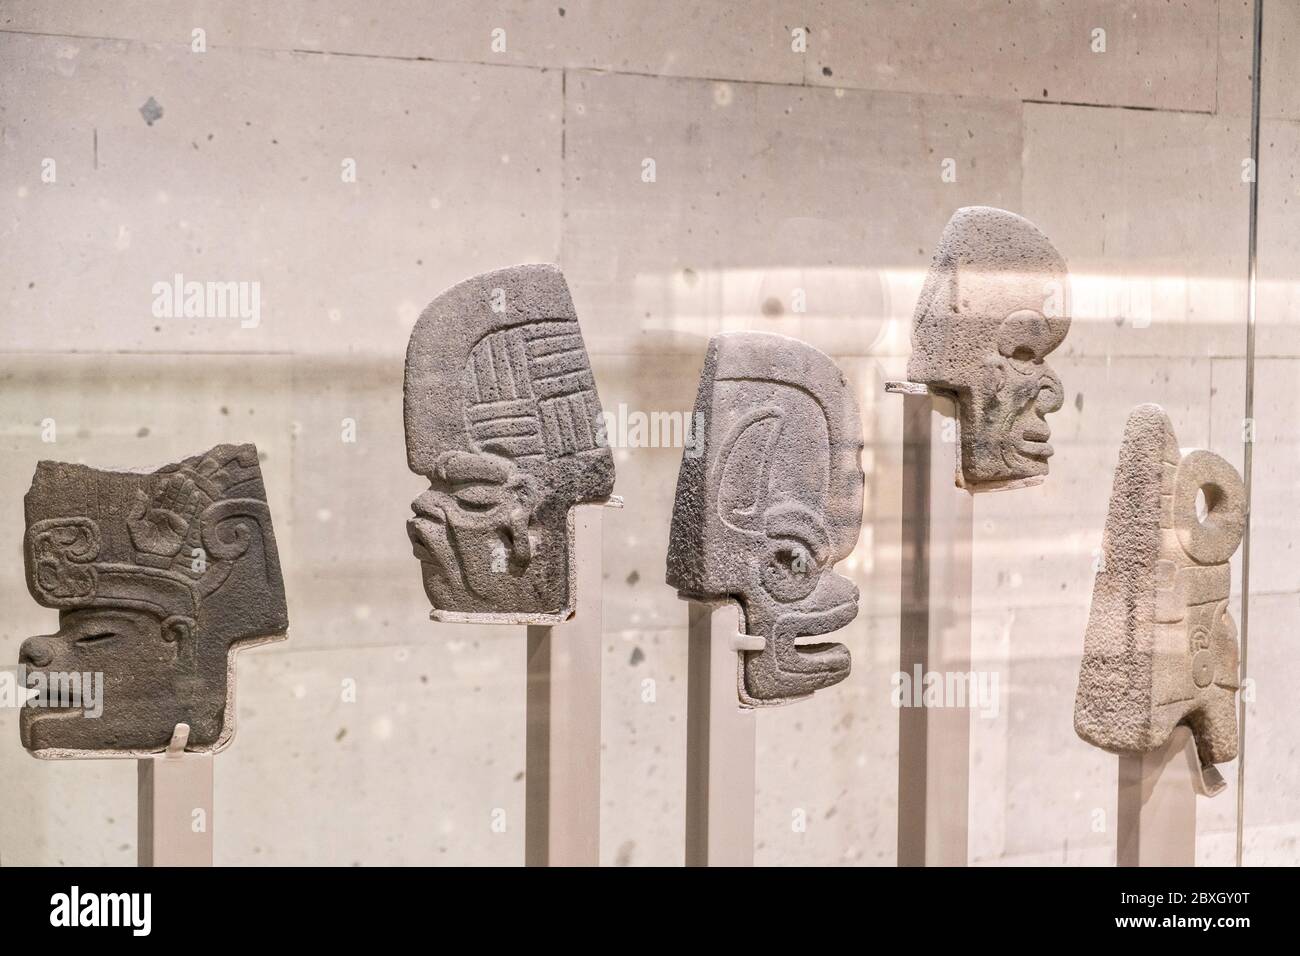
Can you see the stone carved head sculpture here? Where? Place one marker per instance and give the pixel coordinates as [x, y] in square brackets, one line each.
[158, 579]
[503, 418]
[773, 502]
[1161, 647]
[993, 306]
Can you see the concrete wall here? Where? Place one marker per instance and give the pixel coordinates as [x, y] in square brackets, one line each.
[775, 169]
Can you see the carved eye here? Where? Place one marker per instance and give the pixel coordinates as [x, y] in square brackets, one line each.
[97, 637]
[1027, 335]
[478, 497]
[791, 571]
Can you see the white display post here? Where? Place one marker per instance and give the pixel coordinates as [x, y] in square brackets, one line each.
[562, 762]
[720, 740]
[174, 806]
[934, 632]
[1156, 812]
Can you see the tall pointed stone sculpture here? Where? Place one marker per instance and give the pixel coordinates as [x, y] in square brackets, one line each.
[993, 306]
[158, 579]
[503, 419]
[1161, 647]
[768, 505]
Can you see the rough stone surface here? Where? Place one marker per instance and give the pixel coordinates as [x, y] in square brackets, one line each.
[503, 418]
[158, 578]
[1161, 647]
[994, 304]
[768, 505]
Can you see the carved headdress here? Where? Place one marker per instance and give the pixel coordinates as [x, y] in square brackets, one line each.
[190, 545]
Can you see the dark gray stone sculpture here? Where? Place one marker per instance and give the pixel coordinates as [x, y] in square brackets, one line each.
[994, 304]
[503, 418]
[1161, 647]
[158, 579]
[769, 506]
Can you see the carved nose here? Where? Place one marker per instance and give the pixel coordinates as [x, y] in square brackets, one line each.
[36, 652]
[1051, 394]
[520, 543]
[836, 590]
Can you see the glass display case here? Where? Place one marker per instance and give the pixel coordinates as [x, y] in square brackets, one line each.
[222, 222]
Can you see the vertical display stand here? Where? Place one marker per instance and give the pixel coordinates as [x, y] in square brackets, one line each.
[562, 763]
[934, 632]
[720, 740]
[1156, 811]
[174, 806]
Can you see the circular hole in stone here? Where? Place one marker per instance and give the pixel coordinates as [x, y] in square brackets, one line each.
[1207, 499]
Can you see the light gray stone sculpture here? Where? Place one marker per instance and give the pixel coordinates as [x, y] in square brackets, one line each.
[993, 306]
[768, 506]
[159, 579]
[1161, 647]
[503, 419]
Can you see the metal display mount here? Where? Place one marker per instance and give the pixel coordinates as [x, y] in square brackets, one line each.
[720, 739]
[562, 760]
[934, 630]
[174, 805]
[1156, 806]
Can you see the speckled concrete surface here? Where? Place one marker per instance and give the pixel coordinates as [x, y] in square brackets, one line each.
[356, 161]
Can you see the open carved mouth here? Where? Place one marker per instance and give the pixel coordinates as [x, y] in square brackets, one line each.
[1033, 441]
[816, 649]
[826, 655]
[35, 708]
[34, 724]
[793, 662]
[1035, 449]
[422, 533]
[34, 712]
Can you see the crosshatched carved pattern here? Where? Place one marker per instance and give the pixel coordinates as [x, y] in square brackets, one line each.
[530, 393]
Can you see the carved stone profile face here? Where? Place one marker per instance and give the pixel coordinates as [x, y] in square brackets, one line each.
[158, 578]
[1161, 647]
[775, 500]
[503, 418]
[993, 306]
